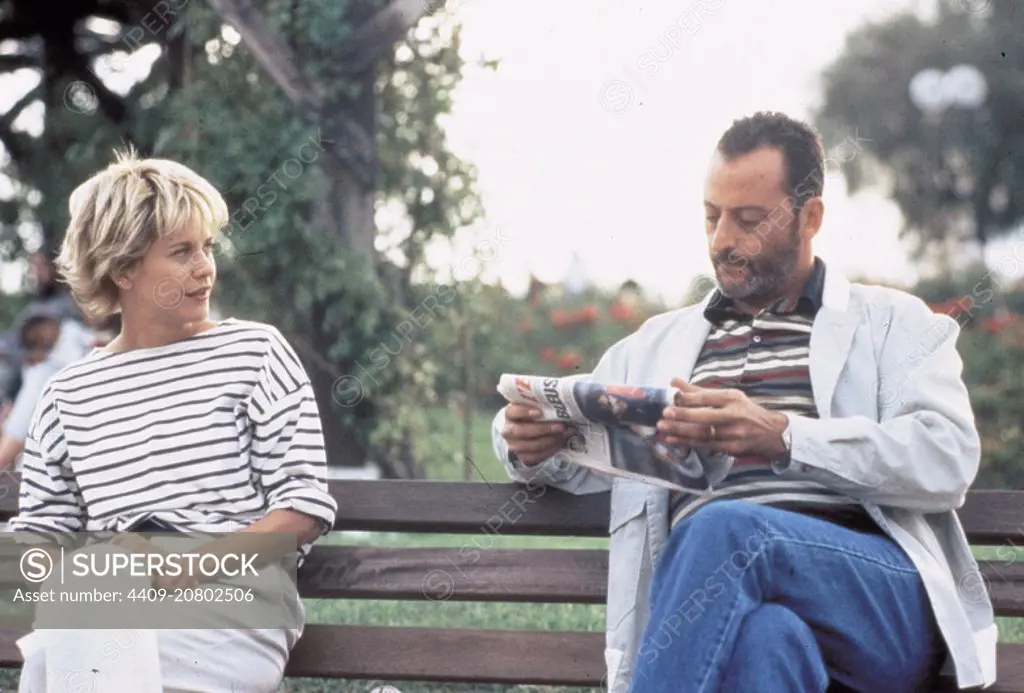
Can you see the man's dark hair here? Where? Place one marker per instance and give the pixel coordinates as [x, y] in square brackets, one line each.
[799, 143]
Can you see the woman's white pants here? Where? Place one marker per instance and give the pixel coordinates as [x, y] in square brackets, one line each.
[153, 661]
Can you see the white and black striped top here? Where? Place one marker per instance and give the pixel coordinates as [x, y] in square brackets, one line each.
[207, 434]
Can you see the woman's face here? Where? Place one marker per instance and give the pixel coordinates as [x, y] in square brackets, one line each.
[176, 277]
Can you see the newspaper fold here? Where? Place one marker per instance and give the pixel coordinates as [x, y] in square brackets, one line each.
[616, 430]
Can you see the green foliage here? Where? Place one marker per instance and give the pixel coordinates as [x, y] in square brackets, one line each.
[223, 116]
[991, 345]
[340, 311]
[993, 353]
[547, 334]
[11, 306]
[959, 168]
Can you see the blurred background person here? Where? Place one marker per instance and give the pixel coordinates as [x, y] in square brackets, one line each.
[49, 340]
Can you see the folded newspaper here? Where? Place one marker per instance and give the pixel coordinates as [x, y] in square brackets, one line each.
[617, 433]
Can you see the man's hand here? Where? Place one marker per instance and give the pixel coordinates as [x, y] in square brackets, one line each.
[530, 440]
[724, 421]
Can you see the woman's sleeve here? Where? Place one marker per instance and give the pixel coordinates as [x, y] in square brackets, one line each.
[288, 453]
[50, 504]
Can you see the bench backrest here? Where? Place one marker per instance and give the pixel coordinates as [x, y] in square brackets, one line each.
[508, 575]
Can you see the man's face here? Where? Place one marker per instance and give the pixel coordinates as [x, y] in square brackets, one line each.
[754, 238]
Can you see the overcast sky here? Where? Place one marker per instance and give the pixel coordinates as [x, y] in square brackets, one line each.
[584, 147]
[588, 146]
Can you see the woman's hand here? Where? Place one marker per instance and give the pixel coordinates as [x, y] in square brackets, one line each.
[136, 544]
[176, 582]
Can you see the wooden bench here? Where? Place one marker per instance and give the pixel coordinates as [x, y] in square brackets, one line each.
[505, 575]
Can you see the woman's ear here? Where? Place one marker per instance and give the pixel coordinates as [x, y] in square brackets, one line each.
[124, 277]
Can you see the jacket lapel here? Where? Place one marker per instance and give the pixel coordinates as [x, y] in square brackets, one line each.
[690, 347]
[831, 340]
[685, 341]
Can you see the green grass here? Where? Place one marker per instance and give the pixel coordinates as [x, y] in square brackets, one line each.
[443, 447]
[1010, 629]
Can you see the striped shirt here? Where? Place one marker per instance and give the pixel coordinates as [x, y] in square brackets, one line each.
[206, 434]
[767, 357]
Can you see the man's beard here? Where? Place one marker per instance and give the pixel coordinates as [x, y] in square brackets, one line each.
[765, 275]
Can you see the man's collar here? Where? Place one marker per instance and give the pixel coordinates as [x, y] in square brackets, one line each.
[720, 307]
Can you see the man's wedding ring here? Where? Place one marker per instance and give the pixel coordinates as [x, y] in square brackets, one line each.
[711, 431]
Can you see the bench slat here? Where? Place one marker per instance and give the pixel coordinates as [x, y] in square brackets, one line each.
[989, 517]
[469, 508]
[471, 572]
[474, 656]
[466, 573]
[425, 654]
[451, 655]
[994, 517]
[463, 573]
[443, 507]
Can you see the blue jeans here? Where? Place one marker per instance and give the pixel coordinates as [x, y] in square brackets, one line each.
[748, 597]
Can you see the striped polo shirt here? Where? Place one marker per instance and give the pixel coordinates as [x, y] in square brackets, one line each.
[767, 356]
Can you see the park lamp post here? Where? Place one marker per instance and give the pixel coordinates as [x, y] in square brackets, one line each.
[934, 92]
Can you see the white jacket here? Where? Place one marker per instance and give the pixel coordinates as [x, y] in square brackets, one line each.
[896, 431]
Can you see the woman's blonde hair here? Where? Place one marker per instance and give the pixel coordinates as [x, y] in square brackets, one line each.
[118, 213]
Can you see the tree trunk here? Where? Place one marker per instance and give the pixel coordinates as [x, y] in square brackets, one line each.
[347, 128]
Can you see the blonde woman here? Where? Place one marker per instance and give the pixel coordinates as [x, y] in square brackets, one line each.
[180, 423]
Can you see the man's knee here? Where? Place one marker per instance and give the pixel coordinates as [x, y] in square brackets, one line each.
[775, 642]
[774, 625]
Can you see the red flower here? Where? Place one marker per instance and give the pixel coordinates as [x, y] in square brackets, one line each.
[559, 318]
[569, 360]
[993, 325]
[621, 311]
[586, 314]
[548, 354]
[954, 307]
[1001, 322]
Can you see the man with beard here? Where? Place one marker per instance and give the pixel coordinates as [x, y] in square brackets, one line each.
[831, 556]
